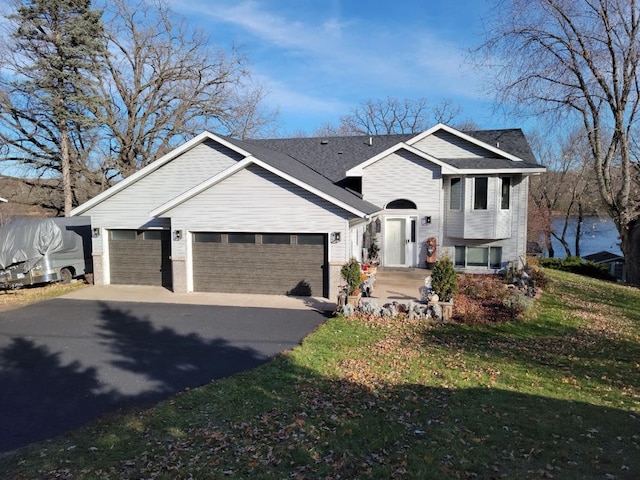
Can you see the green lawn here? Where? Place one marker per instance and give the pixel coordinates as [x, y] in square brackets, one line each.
[556, 395]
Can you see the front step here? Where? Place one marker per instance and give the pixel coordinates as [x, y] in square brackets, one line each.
[399, 283]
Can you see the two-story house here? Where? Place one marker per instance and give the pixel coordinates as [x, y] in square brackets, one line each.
[281, 216]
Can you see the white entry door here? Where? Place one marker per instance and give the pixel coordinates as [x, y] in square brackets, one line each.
[395, 242]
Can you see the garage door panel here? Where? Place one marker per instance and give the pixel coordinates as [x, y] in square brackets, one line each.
[256, 268]
[141, 261]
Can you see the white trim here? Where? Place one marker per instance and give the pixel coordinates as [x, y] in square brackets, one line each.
[358, 169]
[410, 254]
[3, 200]
[239, 166]
[154, 166]
[498, 171]
[463, 136]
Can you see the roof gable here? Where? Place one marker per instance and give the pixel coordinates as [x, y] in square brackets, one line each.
[320, 187]
[152, 167]
[473, 141]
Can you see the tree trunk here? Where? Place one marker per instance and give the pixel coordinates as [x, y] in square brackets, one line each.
[580, 219]
[550, 249]
[66, 171]
[630, 246]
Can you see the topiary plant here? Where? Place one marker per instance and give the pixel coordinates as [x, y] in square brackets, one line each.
[444, 279]
[350, 271]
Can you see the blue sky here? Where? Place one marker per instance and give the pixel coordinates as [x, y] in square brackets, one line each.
[320, 59]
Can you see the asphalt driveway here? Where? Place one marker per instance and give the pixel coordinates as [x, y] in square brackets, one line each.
[65, 362]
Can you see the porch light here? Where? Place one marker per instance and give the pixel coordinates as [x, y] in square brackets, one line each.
[177, 235]
[335, 237]
[95, 232]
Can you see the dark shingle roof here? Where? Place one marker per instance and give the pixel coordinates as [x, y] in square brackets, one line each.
[333, 156]
[322, 162]
[510, 140]
[603, 257]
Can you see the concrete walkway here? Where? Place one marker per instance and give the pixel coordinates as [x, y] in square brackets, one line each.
[398, 285]
[149, 294]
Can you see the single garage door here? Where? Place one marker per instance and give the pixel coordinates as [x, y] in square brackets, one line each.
[140, 257]
[270, 263]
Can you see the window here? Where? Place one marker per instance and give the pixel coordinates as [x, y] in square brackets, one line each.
[477, 256]
[480, 193]
[506, 193]
[152, 235]
[207, 238]
[413, 230]
[123, 234]
[276, 239]
[401, 204]
[490, 257]
[455, 200]
[310, 239]
[241, 238]
[495, 257]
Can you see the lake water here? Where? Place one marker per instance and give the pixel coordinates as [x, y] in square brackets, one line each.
[598, 234]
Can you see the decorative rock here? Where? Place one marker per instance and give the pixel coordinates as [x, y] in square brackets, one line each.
[348, 310]
[369, 307]
[437, 311]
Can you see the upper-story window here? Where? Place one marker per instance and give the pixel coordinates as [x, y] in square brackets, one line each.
[505, 202]
[480, 193]
[455, 199]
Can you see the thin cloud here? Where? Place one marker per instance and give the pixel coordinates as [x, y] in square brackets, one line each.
[321, 60]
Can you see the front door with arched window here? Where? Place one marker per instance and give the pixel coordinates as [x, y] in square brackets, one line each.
[399, 248]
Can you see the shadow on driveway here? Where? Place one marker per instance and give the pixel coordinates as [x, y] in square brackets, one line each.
[64, 363]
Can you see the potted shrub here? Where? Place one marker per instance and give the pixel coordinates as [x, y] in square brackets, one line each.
[445, 284]
[351, 273]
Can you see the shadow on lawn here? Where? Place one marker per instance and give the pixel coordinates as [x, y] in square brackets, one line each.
[321, 427]
[42, 395]
[290, 422]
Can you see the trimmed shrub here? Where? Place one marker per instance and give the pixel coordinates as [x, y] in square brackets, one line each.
[518, 304]
[350, 271]
[578, 266]
[444, 279]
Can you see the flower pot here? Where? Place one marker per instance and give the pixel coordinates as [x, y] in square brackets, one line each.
[353, 300]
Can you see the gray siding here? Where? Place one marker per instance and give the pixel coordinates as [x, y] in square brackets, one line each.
[403, 175]
[492, 223]
[130, 207]
[255, 200]
[445, 145]
[513, 247]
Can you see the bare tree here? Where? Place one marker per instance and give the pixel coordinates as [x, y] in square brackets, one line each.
[131, 91]
[164, 81]
[566, 193]
[391, 116]
[579, 60]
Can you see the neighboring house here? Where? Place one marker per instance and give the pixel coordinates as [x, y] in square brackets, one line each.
[283, 215]
[614, 262]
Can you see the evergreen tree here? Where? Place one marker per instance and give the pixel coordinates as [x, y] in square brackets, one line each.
[47, 95]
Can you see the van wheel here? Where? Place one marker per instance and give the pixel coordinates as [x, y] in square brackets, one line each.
[65, 275]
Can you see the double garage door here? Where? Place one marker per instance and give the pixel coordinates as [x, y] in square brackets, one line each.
[269, 263]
